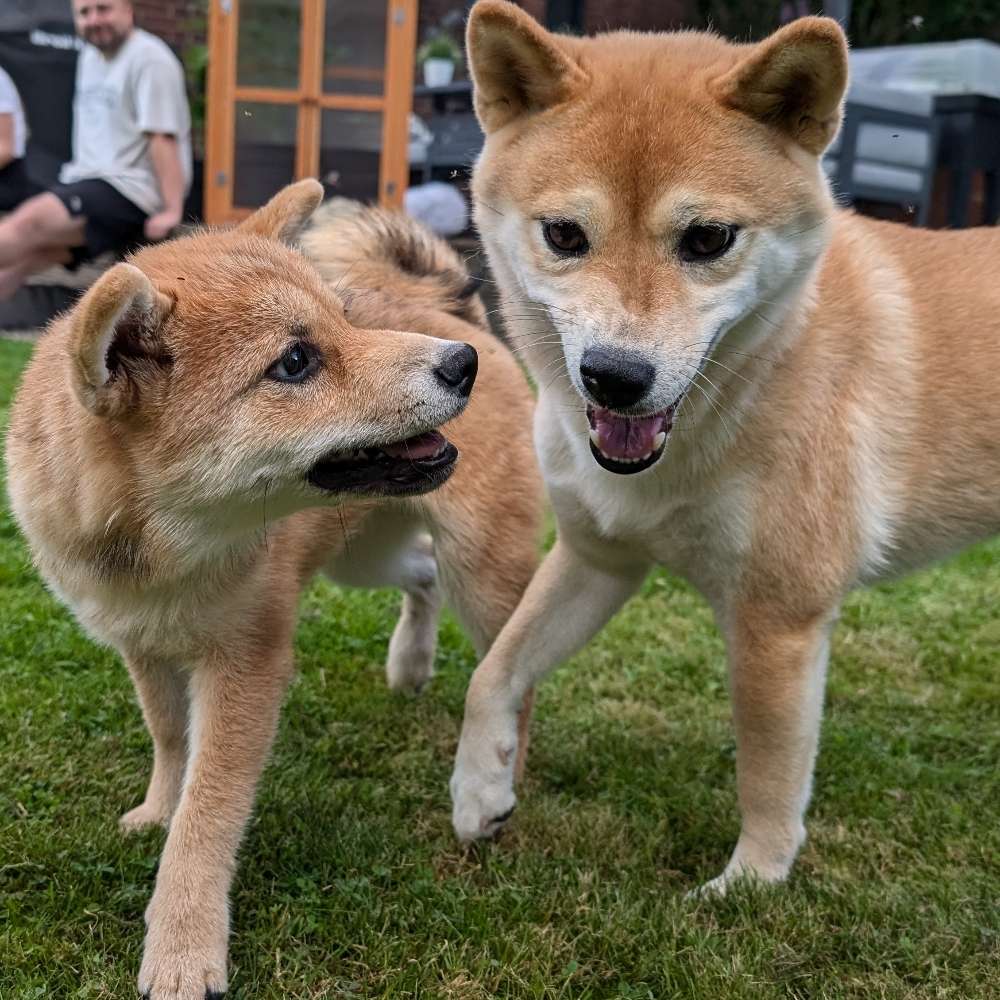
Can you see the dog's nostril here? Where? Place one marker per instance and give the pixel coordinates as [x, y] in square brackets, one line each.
[615, 379]
[458, 369]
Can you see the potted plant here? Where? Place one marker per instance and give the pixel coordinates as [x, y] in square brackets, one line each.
[439, 56]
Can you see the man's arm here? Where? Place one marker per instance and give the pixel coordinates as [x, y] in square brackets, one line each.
[166, 158]
[6, 139]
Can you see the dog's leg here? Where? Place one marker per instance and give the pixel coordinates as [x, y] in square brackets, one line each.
[410, 662]
[484, 582]
[234, 713]
[567, 602]
[777, 677]
[487, 555]
[162, 691]
[392, 550]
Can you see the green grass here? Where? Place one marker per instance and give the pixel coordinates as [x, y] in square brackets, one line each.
[350, 884]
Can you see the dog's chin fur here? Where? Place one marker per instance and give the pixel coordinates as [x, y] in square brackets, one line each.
[177, 496]
[839, 375]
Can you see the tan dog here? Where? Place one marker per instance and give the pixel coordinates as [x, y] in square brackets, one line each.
[776, 399]
[165, 444]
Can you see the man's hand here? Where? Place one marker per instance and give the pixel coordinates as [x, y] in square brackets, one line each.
[160, 226]
[166, 158]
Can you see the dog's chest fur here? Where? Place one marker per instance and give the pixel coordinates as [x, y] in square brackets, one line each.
[140, 607]
[695, 523]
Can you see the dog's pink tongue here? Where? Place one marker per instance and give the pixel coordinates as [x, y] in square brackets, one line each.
[622, 437]
[418, 446]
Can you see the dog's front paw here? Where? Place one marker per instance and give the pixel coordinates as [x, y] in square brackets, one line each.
[187, 976]
[732, 878]
[756, 862]
[184, 957]
[483, 797]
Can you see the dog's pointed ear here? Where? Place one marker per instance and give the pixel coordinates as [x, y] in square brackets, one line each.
[794, 80]
[517, 66]
[116, 341]
[283, 217]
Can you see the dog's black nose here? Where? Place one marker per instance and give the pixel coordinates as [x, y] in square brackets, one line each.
[458, 368]
[615, 379]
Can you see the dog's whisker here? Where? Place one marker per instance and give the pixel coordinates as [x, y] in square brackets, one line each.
[527, 347]
[267, 486]
[754, 357]
[711, 402]
[728, 369]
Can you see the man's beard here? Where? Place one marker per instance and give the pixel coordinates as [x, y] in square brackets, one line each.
[107, 39]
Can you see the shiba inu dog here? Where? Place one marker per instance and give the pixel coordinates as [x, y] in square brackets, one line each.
[205, 430]
[775, 398]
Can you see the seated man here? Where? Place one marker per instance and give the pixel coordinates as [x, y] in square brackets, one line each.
[131, 163]
[14, 183]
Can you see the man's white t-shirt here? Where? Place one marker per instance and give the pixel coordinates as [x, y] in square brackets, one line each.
[139, 89]
[10, 104]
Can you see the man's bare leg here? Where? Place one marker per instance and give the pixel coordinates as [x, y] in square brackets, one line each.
[39, 223]
[12, 278]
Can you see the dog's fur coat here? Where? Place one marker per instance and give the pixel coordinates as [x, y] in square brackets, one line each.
[827, 385]
[158, 469]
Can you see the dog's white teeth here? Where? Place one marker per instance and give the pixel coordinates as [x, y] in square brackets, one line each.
[658, 440]
[595, 439]
[648, 454]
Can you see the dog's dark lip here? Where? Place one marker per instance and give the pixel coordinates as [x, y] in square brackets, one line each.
[631, 467]
[414, 465]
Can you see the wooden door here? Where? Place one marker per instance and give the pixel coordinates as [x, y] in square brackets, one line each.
[307, 88]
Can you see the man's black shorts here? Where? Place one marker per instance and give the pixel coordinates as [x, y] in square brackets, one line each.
[113, 222]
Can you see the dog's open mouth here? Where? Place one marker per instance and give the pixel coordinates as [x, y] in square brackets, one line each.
[627, 445]
[415, 465]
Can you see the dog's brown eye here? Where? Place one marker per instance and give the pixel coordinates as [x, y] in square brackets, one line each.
[566, 238]
[295, 365]
[706, 241]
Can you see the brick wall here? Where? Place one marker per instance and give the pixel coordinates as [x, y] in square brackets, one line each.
[179, 23]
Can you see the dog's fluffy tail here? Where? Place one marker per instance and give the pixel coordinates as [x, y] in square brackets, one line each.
[362, 249]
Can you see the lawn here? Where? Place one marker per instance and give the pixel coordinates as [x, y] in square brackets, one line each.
[350, 884]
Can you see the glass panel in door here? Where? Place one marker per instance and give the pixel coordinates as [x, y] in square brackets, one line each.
[264, 154]
[267, 47]
[350, 147]
[354, 47]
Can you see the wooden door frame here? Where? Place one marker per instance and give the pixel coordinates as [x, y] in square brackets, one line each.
[223, 94]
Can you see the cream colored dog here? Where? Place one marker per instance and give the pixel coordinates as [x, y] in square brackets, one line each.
[777, 399]
[204, 431]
